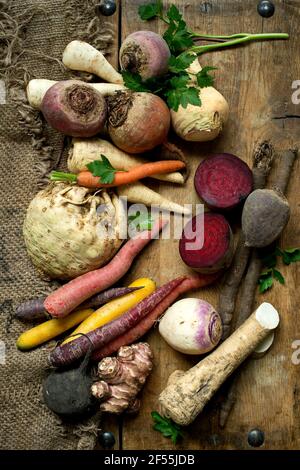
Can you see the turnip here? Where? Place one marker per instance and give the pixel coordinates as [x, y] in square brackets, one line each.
[137, 122]
[74, 108]
[37, 88]
[146, 53]
[79, 55]
[62, 230]
[216, 251]
[223, 181]
[191, 326]
[266, 212]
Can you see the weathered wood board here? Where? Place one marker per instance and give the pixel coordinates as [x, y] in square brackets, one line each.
[257, 81]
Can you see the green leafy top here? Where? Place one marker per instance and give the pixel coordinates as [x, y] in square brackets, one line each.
[289, 255]
[167, 427]
[151, 10]
[103, 169]
[141, 221]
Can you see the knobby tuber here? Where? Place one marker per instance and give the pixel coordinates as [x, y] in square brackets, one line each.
[185, 397]
[223, 181]
[68, 392]
[145, 53]
[137, 122]
[266, 213]
[251, 281]
[262, 161]
[207, 248]
[74, 108]
[122, 378]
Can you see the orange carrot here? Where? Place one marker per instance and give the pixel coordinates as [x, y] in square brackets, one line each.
[86, 179]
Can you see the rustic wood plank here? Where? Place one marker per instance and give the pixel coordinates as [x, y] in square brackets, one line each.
[256, 79]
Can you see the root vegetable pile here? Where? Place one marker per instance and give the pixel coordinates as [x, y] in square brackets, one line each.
[122, 378]
[223, 181]
[207, 247]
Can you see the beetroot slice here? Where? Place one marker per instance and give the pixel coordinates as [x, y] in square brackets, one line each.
[223, 181]
[217, 250]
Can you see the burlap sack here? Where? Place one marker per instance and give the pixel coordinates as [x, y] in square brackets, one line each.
[33, 34]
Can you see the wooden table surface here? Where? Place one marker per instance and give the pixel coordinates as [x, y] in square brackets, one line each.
[256, 79]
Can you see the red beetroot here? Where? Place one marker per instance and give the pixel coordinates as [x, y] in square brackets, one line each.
[135, 333]
[74, 108]
[216, 251]
[223, 181]
[69, 352]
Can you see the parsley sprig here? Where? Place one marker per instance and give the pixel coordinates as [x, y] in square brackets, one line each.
[103, 169]
[140, 221]
[167, 427]
[270, 273]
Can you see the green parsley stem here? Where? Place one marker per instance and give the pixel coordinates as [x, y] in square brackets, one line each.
[250, 37]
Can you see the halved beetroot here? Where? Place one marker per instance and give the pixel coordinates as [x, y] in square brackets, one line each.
[223, 181]
[216, 251]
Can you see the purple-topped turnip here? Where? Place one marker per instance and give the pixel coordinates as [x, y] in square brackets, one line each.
[146, 53]
[191, 326]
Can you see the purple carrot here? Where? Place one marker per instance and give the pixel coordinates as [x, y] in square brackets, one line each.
[68, 353]
[35, 310]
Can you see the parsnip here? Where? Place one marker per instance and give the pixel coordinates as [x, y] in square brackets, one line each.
[138, 193]
[205, 122]
[37, 88]
[84, 151]
[185, 397]
[79, 55]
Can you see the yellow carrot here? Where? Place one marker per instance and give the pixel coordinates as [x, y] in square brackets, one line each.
[50, 329]
[115, 308]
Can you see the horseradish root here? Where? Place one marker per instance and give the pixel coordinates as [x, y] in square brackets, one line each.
[74, 108]
[185, 397]
[81, 56]
[37, 88]
[122, 378]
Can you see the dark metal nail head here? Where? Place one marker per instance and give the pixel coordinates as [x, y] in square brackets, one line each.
[266, 8]
[256, 438]
[106, 8]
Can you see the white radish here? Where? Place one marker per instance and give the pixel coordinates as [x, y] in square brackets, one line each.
[37, 88]
[138, 193]
[264, 346]
[187, 395]
[79, 55]
[84, 151]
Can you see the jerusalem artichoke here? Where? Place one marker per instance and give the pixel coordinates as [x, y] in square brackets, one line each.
[122, 378]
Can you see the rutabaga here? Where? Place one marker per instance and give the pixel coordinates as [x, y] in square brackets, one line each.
[66, 233]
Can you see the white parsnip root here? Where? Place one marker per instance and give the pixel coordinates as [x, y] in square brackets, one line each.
[138, 193]
[187, 394]
[37, 88]
[84, 151]
[205, 122]
[264, 346]
[79, 55]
